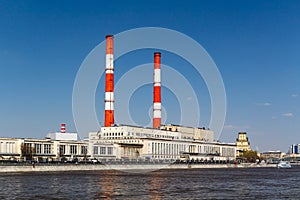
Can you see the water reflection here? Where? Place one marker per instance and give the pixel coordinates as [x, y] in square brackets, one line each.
[106, 183]
[171, 184]
[156, 184]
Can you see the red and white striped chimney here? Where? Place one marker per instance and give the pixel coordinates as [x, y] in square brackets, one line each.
[63, 128]
[156, 92]
[109, 83]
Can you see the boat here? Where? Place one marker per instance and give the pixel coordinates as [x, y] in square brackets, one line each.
[283, 165]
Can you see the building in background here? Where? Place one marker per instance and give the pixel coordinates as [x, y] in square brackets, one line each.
[10, 148]
[294, 149]
[272, 156]
[293, 154]
[42, 150]
[242, 144]
[56, 147]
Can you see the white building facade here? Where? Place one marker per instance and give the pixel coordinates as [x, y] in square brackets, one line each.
[42, 150]
[167, 143]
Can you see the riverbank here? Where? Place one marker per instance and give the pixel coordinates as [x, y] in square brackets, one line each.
[124, 167]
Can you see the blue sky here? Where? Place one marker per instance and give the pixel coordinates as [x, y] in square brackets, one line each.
[255, 45]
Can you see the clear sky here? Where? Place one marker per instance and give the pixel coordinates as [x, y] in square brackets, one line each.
[255, 45]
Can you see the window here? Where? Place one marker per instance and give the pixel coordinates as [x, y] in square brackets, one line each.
[62, 149]
[95, 151]
[73, 149]
[109, 150]
[10, 147]
[153, 148]
[47, 148]
[27, 149]
[102, 150]
[38, 148]
[83, 150]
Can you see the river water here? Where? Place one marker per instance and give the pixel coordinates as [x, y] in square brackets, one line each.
[236, 183]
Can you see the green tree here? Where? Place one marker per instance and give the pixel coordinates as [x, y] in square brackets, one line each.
[250, 156]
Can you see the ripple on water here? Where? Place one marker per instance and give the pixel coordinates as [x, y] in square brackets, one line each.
[255, 183]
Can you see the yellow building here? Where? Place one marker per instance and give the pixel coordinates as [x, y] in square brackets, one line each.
[242, 143]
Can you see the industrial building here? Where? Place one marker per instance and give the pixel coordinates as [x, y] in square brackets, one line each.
[123, 142]
[161, 142]
[131, 142]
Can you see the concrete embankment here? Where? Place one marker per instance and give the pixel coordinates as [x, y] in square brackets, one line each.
[123, 167]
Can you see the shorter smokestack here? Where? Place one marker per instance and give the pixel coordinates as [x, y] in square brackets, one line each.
[63, 128]
[156, 92]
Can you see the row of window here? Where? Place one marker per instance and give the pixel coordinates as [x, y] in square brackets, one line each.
[159, 148]
[38, 148]
[7, 147]
[47, 149]
[228, 152]
[73, 150]
[131, 135]
[120, 140]
[112, 134]
[29, 149]
[100, 150]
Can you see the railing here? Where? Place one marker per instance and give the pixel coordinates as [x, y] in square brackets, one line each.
[115, 162]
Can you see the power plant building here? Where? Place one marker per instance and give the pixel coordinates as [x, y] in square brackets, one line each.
[124, 142]
[132, 142]
[167, 142]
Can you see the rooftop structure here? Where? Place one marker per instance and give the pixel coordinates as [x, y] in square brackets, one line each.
[63, 135]
[272, 155]
[200, 134]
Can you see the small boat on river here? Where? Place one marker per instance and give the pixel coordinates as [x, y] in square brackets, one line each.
[283, 165]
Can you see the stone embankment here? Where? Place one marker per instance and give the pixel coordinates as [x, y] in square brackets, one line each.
[123, 167]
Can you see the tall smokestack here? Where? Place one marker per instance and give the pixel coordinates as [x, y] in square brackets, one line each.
[63, 128]
[109, 83]
[156, 92]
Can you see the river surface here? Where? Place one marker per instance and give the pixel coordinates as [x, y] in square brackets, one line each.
[247, 183]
